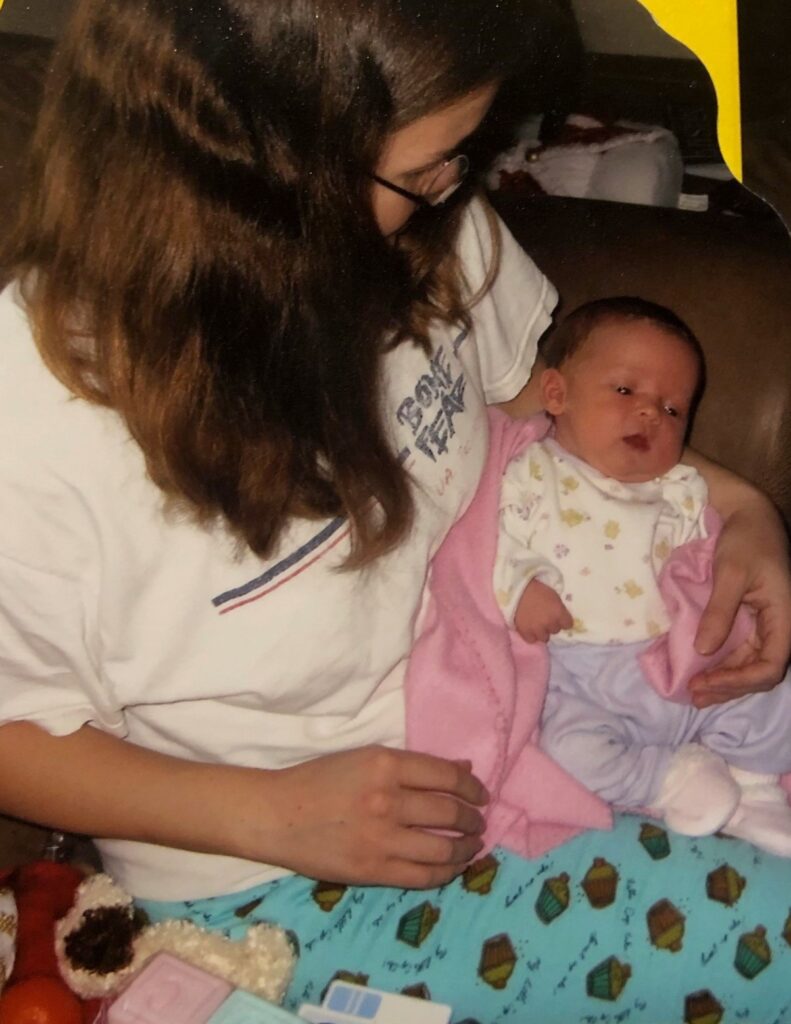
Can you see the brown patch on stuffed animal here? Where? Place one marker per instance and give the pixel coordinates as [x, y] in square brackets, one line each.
[104, 942]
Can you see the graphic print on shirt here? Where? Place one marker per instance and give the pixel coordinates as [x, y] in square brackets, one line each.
[437, 398]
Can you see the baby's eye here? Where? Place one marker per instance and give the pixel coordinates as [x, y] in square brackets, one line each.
[671, 410]
[623, 390]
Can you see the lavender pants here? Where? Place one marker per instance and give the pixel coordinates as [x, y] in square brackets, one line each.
[606, 725]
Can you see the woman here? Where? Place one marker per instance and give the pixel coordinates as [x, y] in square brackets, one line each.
[213, 556]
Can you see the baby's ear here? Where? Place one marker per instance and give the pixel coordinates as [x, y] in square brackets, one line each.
[553, 391]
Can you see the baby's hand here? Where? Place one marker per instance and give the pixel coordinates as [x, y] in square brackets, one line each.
[540, 613]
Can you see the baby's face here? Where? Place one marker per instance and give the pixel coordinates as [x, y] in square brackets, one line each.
[623, 401]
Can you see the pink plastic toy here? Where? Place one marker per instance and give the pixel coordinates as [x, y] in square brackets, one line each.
[168, 989]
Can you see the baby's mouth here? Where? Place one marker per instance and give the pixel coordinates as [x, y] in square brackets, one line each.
[638, 441]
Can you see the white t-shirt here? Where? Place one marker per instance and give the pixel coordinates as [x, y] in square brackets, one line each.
[598, 542]
[152, 629]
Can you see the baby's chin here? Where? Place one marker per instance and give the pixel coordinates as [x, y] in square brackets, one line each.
[626, 462]
[633, 469]
[638, 474]
[638, 478]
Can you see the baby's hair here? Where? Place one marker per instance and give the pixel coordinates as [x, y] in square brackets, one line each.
[573, 331]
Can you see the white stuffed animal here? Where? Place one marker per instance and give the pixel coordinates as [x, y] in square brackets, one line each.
[103, 940]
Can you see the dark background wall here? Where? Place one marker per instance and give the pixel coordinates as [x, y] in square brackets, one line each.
[34, 17]
[765, 64]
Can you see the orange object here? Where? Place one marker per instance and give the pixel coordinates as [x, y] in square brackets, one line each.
[44, 891]
[40, 1001]
[35, 993]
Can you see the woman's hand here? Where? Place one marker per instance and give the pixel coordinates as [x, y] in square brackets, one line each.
[367, 816]
[751, 566]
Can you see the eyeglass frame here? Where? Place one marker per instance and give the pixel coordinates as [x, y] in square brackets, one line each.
[421, 200]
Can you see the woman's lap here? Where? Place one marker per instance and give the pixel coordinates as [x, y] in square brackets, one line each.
[648, 938]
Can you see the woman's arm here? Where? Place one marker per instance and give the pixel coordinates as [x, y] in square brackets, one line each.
[751, 565]
[527, 402]
[361, 816]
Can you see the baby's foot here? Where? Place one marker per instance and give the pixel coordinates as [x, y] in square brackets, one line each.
[763, 816]
[698, 794]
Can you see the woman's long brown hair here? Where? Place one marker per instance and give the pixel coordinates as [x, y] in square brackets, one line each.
[198, 250]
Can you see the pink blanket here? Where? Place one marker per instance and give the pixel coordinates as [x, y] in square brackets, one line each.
[475, 689]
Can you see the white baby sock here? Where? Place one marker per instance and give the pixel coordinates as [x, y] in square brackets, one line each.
[763, 816]
[698, 794]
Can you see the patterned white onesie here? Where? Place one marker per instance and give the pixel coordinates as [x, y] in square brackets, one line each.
[599, 543]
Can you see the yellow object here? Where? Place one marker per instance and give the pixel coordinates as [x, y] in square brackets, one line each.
[710, 29]
[632, 589]
[572, 516]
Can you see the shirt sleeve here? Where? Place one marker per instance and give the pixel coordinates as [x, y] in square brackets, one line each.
[515, 311]
[516, 564]
[50, 653]
[46, 666]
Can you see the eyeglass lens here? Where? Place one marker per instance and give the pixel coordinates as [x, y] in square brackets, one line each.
[443, 183]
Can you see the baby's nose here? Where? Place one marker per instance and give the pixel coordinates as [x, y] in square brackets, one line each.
[649, 407]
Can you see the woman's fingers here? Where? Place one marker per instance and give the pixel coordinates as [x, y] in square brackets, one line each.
[407, 874]
[423, 810]
[424, 861]
[774, 639]
[424, 771]
[428, 848]
[744, 672]
[717, 618]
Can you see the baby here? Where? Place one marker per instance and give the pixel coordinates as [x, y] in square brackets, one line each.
[588, 517]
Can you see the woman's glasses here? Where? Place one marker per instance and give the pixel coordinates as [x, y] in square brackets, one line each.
[440, 184]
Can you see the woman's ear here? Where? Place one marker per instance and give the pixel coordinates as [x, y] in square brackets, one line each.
[553, 391]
